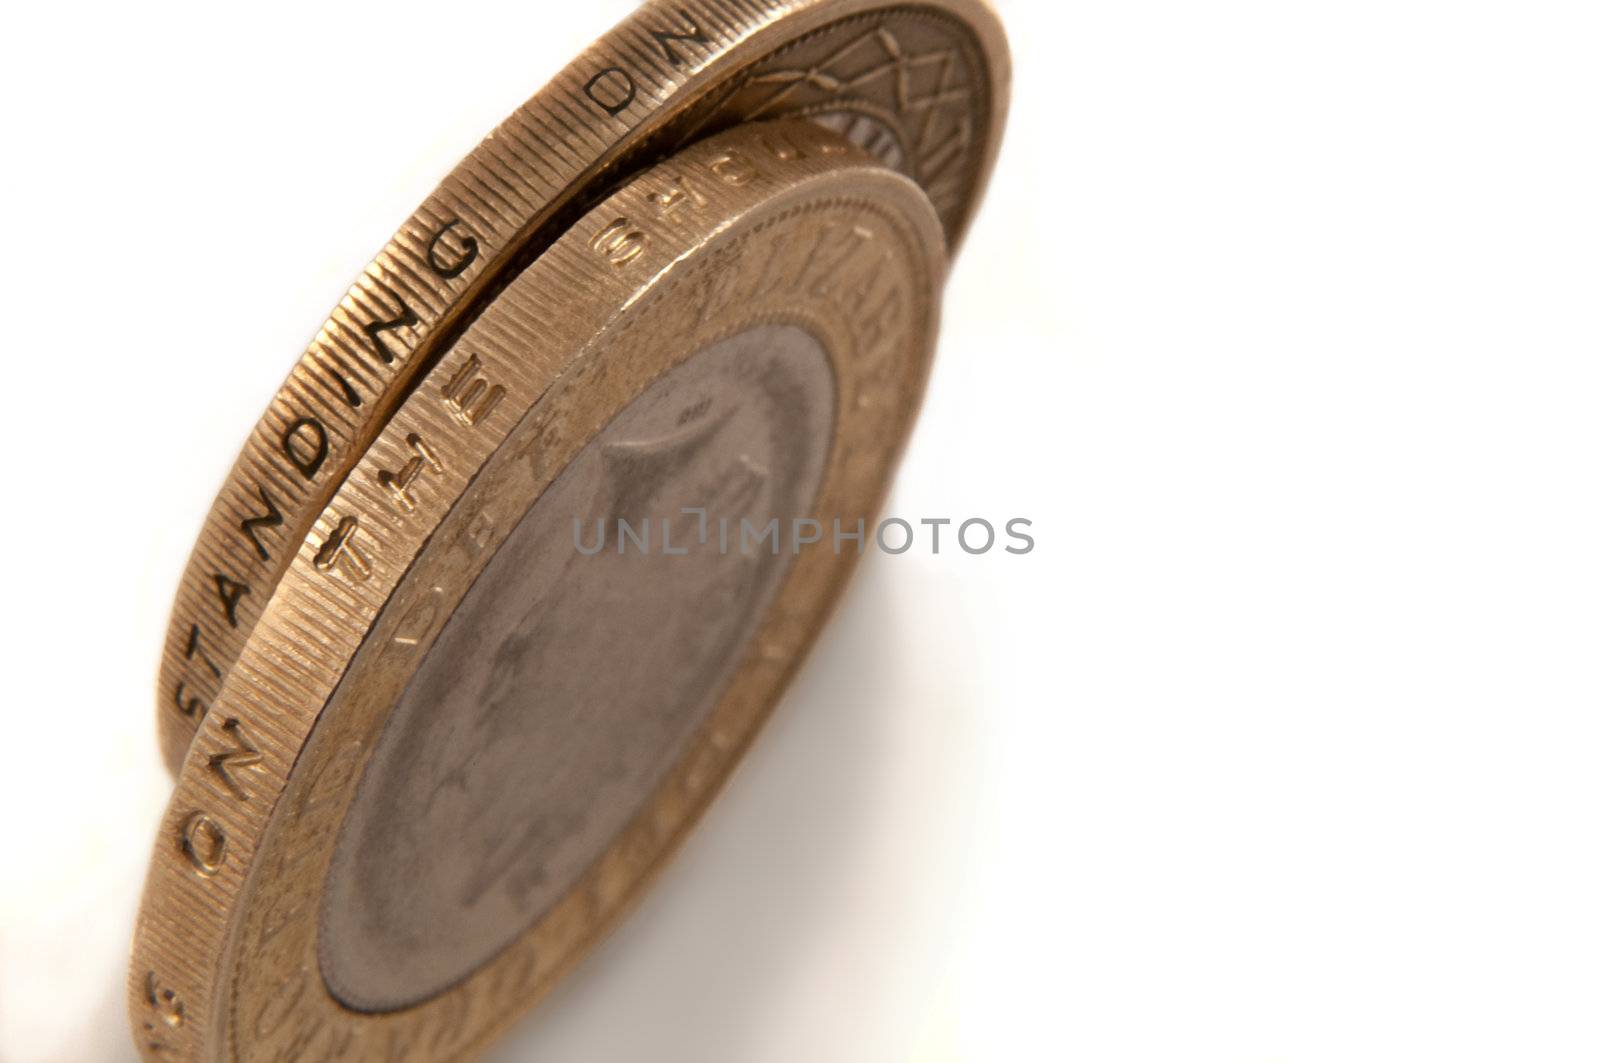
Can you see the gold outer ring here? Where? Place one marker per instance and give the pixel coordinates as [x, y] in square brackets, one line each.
[925, 85]
[782, 223]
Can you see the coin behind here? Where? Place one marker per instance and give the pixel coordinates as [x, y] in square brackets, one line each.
[461, 739]
[924, 87]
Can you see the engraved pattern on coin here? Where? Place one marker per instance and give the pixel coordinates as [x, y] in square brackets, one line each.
[907, 85]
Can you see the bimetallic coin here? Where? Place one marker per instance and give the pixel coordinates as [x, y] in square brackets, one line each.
[922, 86]
[476, 714]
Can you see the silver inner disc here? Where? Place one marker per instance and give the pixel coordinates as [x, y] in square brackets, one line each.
[564, 686]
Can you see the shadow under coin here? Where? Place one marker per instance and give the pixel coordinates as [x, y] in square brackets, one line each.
[696, 971]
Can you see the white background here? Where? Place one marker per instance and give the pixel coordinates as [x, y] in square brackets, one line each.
[1280, 322]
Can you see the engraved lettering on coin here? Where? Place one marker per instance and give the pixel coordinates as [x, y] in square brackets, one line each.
[305, 444]
[612, 90]
[228, 593]
[194, 649]
[620, 242]
[187, 703]
[404, 318]
[450, 264]
[469, 396]
[163, 1000]
[669, 39]
[253, 525]
[347, 391]
[341, 553]
[525, 741]
[202, 840]
[399, 482]
[226, 763]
